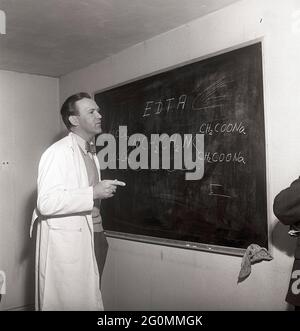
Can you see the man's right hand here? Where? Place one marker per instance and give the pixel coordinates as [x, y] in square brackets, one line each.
[106, 188]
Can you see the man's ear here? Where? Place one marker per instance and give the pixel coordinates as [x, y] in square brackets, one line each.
[74, 120]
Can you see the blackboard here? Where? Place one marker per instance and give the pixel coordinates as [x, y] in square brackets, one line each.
[221, 99]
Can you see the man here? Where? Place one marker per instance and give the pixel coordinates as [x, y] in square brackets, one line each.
[287, 209]
[68, 206]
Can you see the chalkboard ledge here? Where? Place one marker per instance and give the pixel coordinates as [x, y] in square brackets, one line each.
[177, 243]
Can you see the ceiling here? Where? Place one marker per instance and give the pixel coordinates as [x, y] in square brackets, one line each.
[55, 37]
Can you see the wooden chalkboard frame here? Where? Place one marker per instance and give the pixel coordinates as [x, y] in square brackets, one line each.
[181, 243]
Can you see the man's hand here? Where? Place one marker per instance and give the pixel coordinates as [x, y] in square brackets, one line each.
[106, 188]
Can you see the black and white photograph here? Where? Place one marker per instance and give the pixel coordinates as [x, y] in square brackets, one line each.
[150, 159]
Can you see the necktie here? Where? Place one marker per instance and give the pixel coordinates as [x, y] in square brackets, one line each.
[90, 147]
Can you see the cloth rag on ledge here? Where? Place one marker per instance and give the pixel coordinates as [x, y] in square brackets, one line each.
[254, 253]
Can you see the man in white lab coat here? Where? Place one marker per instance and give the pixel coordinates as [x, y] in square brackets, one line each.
[68, 209]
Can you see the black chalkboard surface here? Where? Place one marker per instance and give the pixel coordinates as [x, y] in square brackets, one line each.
[221, 98]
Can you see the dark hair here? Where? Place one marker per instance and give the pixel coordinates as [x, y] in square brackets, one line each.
[68, 108]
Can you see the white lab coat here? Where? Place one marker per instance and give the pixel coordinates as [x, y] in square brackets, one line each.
[67, 276]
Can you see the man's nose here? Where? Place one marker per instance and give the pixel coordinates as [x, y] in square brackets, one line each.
[98, 115]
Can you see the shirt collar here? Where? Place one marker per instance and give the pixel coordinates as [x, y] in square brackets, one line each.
[81, 142]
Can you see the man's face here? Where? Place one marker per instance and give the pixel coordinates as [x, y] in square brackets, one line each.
[89, 118]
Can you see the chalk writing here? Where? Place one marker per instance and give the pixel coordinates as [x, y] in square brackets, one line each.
[209, 128]
[156, 107]
[218, 157]
[211, 97]
[218, 190]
